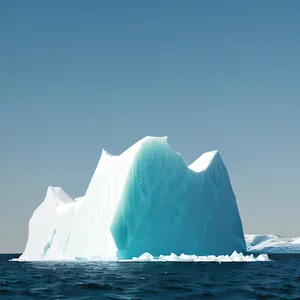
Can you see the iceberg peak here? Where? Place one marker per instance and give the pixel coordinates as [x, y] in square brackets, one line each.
[58, 196]
[204, 161]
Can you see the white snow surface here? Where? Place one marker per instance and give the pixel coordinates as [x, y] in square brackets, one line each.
[203, 161]
[145, 199]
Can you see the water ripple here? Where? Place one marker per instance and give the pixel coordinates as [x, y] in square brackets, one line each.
[279, 279]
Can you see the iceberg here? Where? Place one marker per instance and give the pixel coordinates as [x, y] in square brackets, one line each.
[145, 200]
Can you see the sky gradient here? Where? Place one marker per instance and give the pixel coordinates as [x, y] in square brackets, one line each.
[79, 76]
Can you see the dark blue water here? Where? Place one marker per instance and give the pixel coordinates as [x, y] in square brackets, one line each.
[279, 279]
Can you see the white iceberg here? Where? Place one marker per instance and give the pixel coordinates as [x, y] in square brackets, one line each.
[145, 200]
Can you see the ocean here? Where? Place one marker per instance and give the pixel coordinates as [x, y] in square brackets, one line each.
[277, 279]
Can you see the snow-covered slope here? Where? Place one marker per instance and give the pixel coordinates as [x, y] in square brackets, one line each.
[270, 243]
[144, 200]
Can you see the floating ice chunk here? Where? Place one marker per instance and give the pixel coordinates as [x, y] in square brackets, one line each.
[184, 257]
[144, 257]
[262, 257]
[235, 257]
[225, 258]
[171, 257]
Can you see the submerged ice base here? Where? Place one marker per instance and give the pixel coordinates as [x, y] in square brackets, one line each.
[144, 200]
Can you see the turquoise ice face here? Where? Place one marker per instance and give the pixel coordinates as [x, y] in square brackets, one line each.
[167, 207]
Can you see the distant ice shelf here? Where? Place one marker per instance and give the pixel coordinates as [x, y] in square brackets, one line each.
[145, 200]
[271, 243]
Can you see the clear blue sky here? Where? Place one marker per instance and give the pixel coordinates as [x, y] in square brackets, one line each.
[79, 76]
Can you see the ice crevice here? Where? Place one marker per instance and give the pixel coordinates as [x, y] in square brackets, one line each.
[48, 245]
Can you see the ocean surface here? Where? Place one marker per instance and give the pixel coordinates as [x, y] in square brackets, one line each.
[278, 279]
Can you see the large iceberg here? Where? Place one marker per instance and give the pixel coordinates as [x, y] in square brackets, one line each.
[144, 200]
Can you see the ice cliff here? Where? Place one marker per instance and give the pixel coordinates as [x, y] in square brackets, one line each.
[144, 200]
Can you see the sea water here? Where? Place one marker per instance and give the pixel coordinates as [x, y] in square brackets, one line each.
[275, 279]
